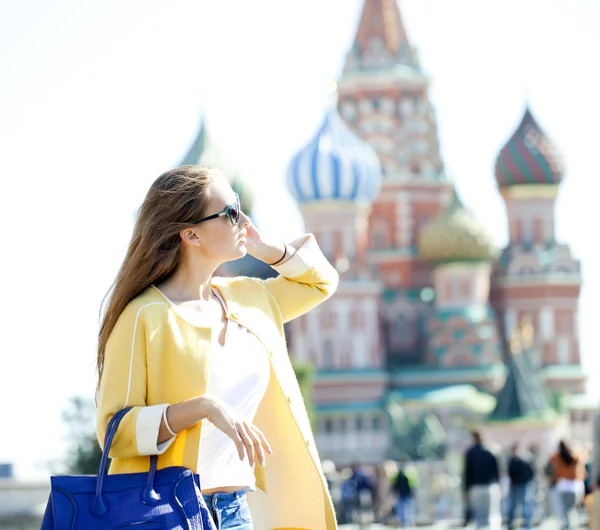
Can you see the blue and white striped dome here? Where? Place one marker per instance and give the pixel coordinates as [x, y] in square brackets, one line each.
[335, 165]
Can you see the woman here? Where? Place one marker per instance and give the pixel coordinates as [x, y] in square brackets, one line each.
[568, 472]
[203, 359]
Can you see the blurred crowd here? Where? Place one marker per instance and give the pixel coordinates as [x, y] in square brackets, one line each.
[495, 488]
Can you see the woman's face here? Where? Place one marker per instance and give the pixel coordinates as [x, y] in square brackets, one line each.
[219, 239]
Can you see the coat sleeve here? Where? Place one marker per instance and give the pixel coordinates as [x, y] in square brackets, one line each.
[304, 281]
[123, 384]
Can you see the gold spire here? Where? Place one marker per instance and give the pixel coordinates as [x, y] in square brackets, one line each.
[527, 333]
[516, 346]
[522, 337]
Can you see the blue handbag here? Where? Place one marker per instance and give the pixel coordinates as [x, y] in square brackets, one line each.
[159, 499]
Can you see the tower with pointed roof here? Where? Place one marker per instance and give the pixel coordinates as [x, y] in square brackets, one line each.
[536, 276]
[204, 151]
[383, 97]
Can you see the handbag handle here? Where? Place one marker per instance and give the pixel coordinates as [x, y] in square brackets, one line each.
[98, 506]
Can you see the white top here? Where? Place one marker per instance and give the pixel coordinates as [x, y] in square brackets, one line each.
[571, 486]
[238, 374]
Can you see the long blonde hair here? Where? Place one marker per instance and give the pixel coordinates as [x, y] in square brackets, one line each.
[174, 200]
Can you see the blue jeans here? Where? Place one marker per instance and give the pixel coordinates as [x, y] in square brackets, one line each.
[404, 510]
[230, 511]
[521, 495]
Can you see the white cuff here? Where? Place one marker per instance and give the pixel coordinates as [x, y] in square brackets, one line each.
[146, 431]
[307, 257]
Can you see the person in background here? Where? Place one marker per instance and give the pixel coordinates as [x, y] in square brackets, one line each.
[330, 473]
[521, 490]
[568, 473]
[403, 487]
[588, 499]
[539, 492]
[383, 499]
[355, 483]
[594, 506]
[481, 485]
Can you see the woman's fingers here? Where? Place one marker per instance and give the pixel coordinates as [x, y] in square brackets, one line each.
[256, 442]
[263, 439]
[247, 442]
[239, 443]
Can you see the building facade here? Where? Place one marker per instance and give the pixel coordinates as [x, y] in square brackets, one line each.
[426, 303]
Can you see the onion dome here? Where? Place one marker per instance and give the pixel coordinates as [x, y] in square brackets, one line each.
[528, 157]
[335, 165]
[455, 235]
[204, 152]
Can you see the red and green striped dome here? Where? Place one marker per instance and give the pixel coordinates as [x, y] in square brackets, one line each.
[528, 157]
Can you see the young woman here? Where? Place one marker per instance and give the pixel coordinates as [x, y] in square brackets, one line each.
[568, 473]
[203, 360]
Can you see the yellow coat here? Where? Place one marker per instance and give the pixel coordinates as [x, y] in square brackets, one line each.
[155, 357]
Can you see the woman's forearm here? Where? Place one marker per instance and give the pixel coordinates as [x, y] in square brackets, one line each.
[182, 416]
[273, 253]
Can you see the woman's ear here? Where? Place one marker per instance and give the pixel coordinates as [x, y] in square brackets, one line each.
[190, 237]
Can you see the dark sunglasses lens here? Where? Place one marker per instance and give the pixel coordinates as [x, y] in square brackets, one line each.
[234, 213]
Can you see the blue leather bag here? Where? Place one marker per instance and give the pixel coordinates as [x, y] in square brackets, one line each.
[159, 499]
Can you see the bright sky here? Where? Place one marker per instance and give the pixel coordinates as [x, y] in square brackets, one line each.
[98, 98]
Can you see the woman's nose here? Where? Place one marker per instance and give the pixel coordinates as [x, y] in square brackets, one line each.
[244, 219]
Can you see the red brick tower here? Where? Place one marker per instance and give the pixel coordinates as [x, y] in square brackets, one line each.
[383, 96]
[536, 277]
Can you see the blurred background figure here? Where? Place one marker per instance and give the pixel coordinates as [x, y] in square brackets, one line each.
[383, 501]
[355, 488]
[329, 470]
[331, 476]
[521, 495]
[567, 473]
[594, 504]
[481, 484]
[405, 484]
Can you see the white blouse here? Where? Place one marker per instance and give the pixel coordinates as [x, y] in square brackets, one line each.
[238, 374]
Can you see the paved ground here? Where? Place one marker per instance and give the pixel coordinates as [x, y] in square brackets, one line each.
[547, 524]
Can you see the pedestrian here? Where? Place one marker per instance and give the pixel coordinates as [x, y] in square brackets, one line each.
[384, 499]
[594, 504]
[521, 489]
[481, 485]
[568, 473]
[404, 508]
[203, 361]
[349, 497]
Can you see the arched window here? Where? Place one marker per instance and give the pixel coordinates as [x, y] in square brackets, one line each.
[400, 332]
[327, 354]
[376, 423]
[380, 236]
[359, 422]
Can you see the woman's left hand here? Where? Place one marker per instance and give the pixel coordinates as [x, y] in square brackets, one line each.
[254, 239]
[260, 248]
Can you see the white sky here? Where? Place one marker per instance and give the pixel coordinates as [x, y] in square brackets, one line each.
[98, 98]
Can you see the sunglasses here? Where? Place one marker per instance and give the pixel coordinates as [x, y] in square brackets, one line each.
[232, 212]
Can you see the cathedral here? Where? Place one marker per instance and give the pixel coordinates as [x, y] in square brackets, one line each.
[433, 330]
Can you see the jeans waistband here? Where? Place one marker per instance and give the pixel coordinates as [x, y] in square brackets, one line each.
[214, 499]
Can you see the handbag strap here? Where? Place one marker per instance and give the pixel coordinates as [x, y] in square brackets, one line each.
[98, 506]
